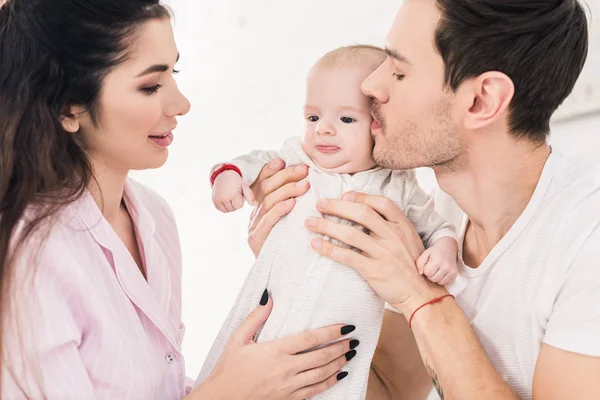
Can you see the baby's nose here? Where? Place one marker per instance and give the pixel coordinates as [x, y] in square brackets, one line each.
[325, 128]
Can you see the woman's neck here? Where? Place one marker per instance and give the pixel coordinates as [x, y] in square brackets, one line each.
[106, 188]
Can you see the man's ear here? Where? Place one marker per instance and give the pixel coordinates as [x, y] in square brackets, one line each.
[71, 118]
[492, 93]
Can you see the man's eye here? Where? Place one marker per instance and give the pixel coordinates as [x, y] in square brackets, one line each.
[398, 76]
[347, 120]
[312, 118]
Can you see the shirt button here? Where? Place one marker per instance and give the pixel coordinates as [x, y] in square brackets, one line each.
[170, 357]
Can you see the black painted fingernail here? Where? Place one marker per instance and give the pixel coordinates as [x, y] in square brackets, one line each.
[354, 344]
[347, 329]
[265, 298]
[342, 375]
[350, 355]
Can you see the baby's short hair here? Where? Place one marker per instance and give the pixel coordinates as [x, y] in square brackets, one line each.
[351, 56]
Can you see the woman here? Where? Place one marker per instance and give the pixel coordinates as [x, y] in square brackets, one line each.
[90, 265]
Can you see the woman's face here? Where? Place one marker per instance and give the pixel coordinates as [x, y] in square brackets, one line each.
[138, 105]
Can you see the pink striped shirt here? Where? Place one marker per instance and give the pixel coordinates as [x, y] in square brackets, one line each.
[89, 325]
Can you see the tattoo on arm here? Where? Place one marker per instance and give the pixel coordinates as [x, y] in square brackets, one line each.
[434, 380]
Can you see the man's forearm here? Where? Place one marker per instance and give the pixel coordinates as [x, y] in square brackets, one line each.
[397, 371]
[454, 358]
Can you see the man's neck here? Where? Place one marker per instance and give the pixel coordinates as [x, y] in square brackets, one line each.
[493, 188]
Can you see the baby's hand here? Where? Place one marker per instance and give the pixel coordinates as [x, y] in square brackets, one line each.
[438, 262]
[229, 192]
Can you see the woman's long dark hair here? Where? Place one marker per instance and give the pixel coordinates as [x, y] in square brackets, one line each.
[53, 54]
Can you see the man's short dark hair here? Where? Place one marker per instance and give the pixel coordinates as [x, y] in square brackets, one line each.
[541, 45]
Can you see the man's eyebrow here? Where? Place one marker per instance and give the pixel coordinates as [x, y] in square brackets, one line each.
[397, 56]
[156, 68]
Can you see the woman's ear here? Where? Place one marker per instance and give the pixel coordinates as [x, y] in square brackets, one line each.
[71, 118]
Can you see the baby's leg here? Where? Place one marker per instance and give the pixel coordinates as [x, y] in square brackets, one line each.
[335, 294]
[289, 264]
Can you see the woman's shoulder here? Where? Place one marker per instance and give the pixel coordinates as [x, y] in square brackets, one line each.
[150, 198]
[153, 211]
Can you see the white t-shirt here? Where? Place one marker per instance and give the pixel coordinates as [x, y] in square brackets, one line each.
[541, 282]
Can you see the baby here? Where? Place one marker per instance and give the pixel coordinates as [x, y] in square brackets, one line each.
[311, 291]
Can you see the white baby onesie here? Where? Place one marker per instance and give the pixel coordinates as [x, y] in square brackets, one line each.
[310, 291]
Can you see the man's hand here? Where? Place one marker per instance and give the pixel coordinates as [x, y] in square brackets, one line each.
[275, 191]
[389, 252]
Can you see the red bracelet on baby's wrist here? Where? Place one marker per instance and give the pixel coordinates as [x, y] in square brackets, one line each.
[223, 168]
[433, 301]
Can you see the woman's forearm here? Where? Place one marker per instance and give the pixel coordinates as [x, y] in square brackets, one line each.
[453, 356]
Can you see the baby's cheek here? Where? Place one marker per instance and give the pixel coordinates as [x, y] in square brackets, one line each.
[308, 143]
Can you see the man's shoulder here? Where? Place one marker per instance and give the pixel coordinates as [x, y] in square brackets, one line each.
[575, 192]
[579, 172]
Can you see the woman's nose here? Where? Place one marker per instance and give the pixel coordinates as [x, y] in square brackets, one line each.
[178, 105]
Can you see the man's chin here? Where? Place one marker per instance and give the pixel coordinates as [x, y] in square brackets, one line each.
[389, 161]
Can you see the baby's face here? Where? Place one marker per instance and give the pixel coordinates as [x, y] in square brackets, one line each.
[338, 118]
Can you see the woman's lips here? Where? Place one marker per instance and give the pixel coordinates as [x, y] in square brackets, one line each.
[328, 149]
[164, 140]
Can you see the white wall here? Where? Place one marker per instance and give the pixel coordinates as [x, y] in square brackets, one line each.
[242, 65]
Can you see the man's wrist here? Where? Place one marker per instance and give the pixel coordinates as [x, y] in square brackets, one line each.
[429, 311]
[429, 292]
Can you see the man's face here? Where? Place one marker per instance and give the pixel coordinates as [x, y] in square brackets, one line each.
[415, 124]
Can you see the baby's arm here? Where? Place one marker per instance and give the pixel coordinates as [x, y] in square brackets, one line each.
[439, 261]
[230, 190]
[231, 181]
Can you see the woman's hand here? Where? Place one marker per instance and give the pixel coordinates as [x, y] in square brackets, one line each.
[389, 252]
[275, 191]
[275, 369]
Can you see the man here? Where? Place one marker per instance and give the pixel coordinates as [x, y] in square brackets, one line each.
[469, 89]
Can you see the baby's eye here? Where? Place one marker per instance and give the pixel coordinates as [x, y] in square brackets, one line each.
[347, 120]
[312, 118]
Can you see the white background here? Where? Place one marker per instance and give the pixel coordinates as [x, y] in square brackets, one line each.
[243, 64]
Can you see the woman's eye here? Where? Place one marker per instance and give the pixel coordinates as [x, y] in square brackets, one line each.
[398, 76]
[347, 120]
[175, 71]
[152, 89]
[313, 118]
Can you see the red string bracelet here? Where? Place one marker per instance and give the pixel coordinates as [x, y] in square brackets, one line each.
[223, 168]
[436, 300]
